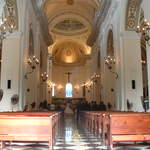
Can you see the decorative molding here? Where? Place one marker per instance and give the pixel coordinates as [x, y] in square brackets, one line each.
[132, 14]
[69, 24]
[69, 14]
[11, 12]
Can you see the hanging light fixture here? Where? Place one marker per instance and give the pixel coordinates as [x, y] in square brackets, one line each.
[7, 20]
[32, 62]
[44, 76]
[109, 61]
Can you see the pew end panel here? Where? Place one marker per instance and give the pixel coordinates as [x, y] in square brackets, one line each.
[127, 127]
[32, 128]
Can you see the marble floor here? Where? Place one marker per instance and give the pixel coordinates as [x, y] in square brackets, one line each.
[73, 138]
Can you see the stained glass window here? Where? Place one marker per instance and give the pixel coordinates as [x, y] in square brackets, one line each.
[68, 90]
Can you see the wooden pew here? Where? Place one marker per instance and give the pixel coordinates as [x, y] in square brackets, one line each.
[29, 126]
[125, 127]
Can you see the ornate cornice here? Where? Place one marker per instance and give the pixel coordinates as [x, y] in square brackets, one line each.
[132, 14]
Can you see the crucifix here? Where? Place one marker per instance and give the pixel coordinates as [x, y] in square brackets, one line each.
[68, 73]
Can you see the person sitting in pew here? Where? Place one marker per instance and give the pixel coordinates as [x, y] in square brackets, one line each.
[26, 108]
[33, 106]
[109, 106]
[102, 106]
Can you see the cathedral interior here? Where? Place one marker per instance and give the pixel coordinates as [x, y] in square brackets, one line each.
[84, 64]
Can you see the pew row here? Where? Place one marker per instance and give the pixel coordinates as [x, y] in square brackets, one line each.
[29, 127]
[117, 126]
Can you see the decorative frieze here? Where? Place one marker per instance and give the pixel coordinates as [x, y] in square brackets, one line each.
[11, 13]
[132, 15]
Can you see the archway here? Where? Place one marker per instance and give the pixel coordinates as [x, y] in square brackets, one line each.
[145, 96]
[144, 68]
[110, 71]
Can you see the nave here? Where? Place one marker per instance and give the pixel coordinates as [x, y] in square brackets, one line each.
[73, 137]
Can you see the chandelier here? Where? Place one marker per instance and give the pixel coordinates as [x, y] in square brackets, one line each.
[32, 62]
[7, 20]
[144, 30]
[44, 76]
[109, 61]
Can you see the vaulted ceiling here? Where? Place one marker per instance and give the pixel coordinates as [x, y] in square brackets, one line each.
[70, 24]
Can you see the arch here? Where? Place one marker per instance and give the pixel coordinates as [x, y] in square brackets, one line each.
[144, 68]
[110, 43]
[110, 72]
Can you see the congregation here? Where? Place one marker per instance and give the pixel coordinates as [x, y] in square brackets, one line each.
[79, 106]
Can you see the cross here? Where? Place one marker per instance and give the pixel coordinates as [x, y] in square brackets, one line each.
[68, 73]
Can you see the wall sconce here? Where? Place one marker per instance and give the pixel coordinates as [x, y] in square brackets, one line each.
[49, 83]
[44, 76]
[95, 77]
[32, 62]
[110, 61]
[59, 87]
[144, 30]
[143, 62]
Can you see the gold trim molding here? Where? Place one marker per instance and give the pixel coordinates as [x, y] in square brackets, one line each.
[132, 15]
[12, 15]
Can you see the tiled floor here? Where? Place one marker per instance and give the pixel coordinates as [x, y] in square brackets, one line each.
[72, 138]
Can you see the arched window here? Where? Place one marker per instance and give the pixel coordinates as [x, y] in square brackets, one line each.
[53, 90]
[68, 90]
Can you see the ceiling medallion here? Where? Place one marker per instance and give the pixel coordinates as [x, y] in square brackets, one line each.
[70, 2]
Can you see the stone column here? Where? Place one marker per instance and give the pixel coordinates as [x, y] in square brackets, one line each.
[133, 88]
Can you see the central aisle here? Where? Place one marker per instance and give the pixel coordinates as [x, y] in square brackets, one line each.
[73, 138]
